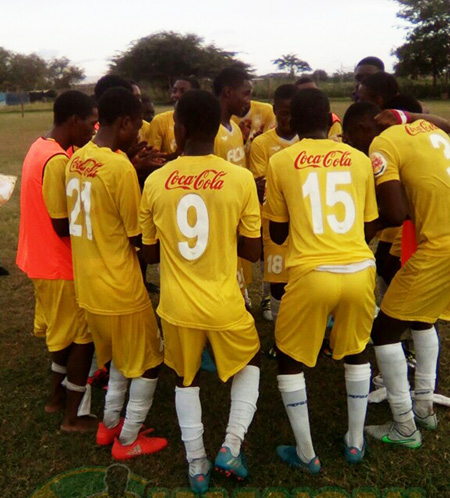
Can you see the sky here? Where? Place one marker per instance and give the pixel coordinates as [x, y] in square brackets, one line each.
[328, 34]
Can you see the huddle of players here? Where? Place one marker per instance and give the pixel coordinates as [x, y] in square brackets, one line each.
[197, 215]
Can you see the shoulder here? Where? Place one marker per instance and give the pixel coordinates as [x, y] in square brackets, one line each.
[256, 105]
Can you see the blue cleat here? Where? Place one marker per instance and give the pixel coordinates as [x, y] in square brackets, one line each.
[289, 455]
[200, 482]
[230, 465]
[207, 362]
[352, 454]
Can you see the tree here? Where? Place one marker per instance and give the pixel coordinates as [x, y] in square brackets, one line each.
[427, 48]
[320, 75]
[292, 63]
[166, 55]
[62, 74]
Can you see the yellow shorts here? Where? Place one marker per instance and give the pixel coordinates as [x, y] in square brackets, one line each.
[233, 348]
[132, 341]
[420, 291]
[58, 313]
[304, 310]
[40, 324]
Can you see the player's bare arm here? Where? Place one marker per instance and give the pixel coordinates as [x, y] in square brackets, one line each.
[61, 227]
[151, 254]
[278, 231]
[249, 248]
[389, 117]
[392, 203]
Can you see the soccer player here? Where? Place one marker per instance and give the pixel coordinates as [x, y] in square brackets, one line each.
[103, 198]
[334, 123]
[44, 254]
[378, 88]
[201, 212]
[261, 150]
[322, 193]
[411, 164]
[365, 67]
[257, 118]
[161, 135]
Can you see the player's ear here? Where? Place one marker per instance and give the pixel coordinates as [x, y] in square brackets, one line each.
[226, 92]
[125, 122]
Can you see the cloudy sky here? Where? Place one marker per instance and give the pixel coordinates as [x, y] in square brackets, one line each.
[329, 34]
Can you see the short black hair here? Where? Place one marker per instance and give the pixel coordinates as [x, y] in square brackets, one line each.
[118, 102]
[304, 79]
[145, 98]
[371, 61]
[357, 111]
[192, 80]
[111, 81]
[72, 103]
[381, 85]
[310, 108]
[404, 102]
[199, 112]
[230, 76]
[284, 92]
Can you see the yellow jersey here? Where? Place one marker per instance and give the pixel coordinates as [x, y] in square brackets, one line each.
[325, 190]
[261, 115]
[196, 207]
[263, 148]
[418, 155]
[229, 145]
[103, 197]
[160, 133]
[335, 131]
[54, 186]
[144, 132]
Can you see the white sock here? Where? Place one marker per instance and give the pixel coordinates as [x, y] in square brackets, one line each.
[357, 383]
[244, 395]
[189, 413]
[394, 370]
[141, 399]
[426, 345]
[275, 308]
[115, 397]
[293, 393]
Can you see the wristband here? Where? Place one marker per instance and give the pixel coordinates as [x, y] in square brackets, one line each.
[402, 117]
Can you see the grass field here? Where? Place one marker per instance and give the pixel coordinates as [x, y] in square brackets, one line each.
[33, 450]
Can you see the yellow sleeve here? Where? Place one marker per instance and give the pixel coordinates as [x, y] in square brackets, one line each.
[275, 207]
[148, 226]
[128, 197]
[335, 131]
[144, 132]
[54, 187]
[371, 206]
[250, 222]
[155, 133]
[257, 162]
[385, 160]
[270, 120]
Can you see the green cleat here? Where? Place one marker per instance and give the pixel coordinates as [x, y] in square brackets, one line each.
[199, 483]
[352, 454]
[389, 434]
[230, 465]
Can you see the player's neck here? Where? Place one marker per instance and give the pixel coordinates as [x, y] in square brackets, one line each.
[314, 134]
[106, 137]
[195, 148]
[60, 135]
[284, 137]
[225, 116]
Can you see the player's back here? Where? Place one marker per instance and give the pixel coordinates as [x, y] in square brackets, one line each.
[198, 206]
[103, 203]
[418, 154]
[326, 192]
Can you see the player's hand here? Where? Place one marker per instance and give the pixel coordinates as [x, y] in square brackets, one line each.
[246, 127]
[258, 132]
[136, 149]
[261, 188]
[147, 161]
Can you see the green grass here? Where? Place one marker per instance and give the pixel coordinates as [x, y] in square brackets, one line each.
[33, 450]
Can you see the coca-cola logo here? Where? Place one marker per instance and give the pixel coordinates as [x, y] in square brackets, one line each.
[87, 168]
[207, 179]
[420, 127]
[332, 159]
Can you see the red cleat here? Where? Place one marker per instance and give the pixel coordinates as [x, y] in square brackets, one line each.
[106, 436]
[142, 446]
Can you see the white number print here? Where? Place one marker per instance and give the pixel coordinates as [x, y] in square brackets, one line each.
[333, 197]
[437, 141]
[83, 201]
[200, 230]
[275, 264]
